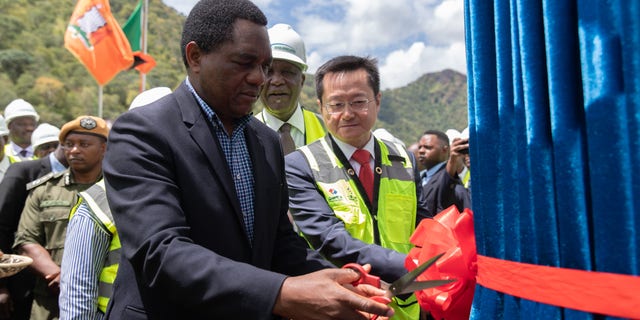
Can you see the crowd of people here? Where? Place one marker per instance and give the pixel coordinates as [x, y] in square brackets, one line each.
[190, 207]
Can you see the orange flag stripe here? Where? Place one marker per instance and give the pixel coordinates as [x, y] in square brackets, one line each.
[96, 39]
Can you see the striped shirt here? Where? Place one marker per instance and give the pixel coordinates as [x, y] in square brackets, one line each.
[236, 153]
[86, 248]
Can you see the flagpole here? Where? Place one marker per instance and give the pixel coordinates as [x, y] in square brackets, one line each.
[100, 101]
[145, 22]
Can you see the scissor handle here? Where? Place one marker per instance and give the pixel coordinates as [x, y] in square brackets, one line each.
[365, 277]
[380, 299]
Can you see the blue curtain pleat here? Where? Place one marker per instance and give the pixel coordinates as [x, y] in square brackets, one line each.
[482, 123]
[605, 103]
[554, 118]
[567, 117]
[538, 163]
[631, 65]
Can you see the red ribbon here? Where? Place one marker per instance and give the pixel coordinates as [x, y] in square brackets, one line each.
[452, 232]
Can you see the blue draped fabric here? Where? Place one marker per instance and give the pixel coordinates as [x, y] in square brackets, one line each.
[554, 119]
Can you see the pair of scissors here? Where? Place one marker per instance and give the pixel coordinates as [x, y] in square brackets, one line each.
[405, 284]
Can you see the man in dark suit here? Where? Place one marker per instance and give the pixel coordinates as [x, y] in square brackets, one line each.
[197, 190]
[440, 181]
[13, 194]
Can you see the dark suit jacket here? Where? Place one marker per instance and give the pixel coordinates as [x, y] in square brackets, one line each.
[13, 194]
[443, 191]
[185, 251]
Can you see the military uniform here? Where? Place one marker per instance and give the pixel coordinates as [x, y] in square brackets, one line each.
[44, 221]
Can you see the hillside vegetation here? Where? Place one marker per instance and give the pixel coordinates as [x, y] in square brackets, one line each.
[35, 66]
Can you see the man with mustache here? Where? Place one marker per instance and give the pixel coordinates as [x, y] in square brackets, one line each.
[281, 92]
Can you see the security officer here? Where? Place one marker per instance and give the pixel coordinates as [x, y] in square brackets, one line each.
[356, 198]
[22, 119]
[92, 248]
[43, 223]
[281, 92]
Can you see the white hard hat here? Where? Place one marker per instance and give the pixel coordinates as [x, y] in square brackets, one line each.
[286, 44]
[383, 134]
[452, 134]
[4, 131]
[146, 97]
[44, 133]
[465, 133]
[19, 108]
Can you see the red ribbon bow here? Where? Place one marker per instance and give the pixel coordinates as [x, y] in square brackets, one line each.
[451, 232]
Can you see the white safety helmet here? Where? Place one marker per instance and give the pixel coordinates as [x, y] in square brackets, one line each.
[465, 133]
[146, 97]
[4, 131]
[383, 134]
[19, 108]
[452, 134]
[286, 44]
[44, 133]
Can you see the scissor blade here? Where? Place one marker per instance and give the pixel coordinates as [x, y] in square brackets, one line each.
[400, 284]
[421, 285]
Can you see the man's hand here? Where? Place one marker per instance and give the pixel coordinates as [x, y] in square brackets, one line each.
[456, 156]
[42, 265]
[53, 282]
[325, 295]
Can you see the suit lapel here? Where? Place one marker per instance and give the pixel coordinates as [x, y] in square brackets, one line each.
[204, 136]
[264, 180]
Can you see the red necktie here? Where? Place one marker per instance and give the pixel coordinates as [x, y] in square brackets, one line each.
[365, 174]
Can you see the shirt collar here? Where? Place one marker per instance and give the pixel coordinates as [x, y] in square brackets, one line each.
[16, 148]
[56, 165]
[296, 120]
[435, 169]
[348, 149]
[211, 114]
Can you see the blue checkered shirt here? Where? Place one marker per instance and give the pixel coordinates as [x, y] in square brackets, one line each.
[236, 153]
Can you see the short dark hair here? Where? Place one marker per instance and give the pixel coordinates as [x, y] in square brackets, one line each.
[349, 63]
[210, 23]
[444, 139]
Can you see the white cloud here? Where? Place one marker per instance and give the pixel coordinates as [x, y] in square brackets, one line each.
[403, 66]
[409, 37]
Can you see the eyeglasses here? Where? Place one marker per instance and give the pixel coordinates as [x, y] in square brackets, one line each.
[360, 105]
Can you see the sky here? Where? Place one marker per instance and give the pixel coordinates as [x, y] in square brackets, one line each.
[408, 37]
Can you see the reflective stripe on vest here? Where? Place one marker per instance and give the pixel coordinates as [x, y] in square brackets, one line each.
[313, 126]
[397, 202]
[96, 198]
[466, 178]
[10, 153]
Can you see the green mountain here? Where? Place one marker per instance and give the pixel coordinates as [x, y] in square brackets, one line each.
[35, 66]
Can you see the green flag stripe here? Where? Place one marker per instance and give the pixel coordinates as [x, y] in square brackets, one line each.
[133, 28]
